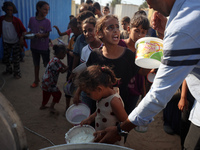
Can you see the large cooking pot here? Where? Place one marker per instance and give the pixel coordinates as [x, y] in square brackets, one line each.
[12, 135]
[87, 146]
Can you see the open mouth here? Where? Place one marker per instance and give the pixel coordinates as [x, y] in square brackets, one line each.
[116, 37]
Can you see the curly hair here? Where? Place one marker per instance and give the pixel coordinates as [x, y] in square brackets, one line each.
[94, 76]
[6, 4]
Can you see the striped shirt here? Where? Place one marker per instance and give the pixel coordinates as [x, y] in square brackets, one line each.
[180, 61]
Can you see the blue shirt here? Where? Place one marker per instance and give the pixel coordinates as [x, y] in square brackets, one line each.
[80, 43]
[180, 61]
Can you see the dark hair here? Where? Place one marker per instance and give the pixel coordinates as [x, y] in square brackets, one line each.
[138, 20]
[96, 5]
[59, 48]
[73, 22]
[94, 76]
[40, 4]
[106, 7]
[140, 12]
[85, 7]
[90, 20]
[126, 19]
[6, 4]
[89, 1]
[86, 14]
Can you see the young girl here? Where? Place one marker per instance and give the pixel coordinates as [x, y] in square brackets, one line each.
[88, 28]
[41, 27]
[120, 59]
[98, 83]
[50, 77]
[12, 29]
[138, 28]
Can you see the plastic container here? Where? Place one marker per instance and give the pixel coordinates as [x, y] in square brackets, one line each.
[80, 134]
[141, 129]
[76, 113]
[29, 36]
[149, 52]
[69, 88]
[150, 77]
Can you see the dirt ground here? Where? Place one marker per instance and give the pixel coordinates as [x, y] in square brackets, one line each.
[44, 129]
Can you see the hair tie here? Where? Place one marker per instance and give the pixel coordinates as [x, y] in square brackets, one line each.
[102, 68]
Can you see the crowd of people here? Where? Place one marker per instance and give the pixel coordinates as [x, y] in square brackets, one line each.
[110, 83]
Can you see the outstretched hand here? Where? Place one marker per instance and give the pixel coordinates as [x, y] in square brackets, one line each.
[109, 135]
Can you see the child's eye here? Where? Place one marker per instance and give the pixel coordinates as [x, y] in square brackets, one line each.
[110, 27]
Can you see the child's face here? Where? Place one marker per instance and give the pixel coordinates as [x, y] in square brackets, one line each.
[88, 31]
[110, 31]
[95, 94]
[75, 30]
[124, 25]
[105, 11]
[43, 11]
[9, 11]
[62, 55]
[136, 33]
[79, 22]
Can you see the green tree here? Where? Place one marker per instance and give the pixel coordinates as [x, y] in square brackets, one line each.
[143, 6]
[114, 2]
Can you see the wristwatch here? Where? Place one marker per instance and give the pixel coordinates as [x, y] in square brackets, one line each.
[122, 132]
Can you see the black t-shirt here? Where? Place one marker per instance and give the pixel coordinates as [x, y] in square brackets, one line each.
[124, 67]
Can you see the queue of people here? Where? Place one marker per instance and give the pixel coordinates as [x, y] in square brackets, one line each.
[111, 83]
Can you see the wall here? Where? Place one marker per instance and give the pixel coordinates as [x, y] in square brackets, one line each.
[122, 10]
[59, 13]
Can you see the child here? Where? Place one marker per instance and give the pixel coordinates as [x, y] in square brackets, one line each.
[80, 42]
[138, 29]
[12, 30]
[97, 12]
[70, 47]
[121, 59]
[106, 10]
[125, 23]
[41, 27]
[98, 83]
[88, 26]
[50, 77]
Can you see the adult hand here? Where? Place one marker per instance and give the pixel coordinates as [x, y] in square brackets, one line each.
[109, 135]
[158, 22]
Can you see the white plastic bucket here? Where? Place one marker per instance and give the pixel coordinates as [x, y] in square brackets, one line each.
[69, 88]
[76, 113]
[150, 77]
[80, 134]
[149, 52]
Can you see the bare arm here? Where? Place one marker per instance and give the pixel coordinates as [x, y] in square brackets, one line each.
[118, 109]
[60, 33]
[183, 101]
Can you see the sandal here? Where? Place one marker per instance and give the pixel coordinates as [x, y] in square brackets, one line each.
[34, 85]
